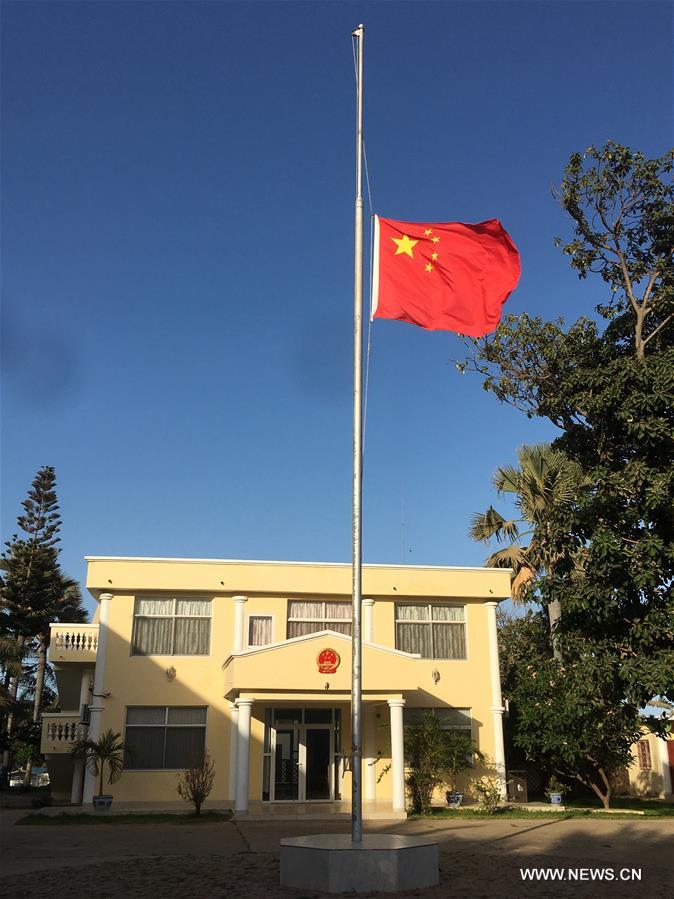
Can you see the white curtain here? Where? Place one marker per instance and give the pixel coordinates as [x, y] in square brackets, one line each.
[318, 616]
[152, 636]
[446, 640]
[153, 606]
[259, 630]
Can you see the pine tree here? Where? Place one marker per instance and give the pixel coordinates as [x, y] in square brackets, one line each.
[34, 591]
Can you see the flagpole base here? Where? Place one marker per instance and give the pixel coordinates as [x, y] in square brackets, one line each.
[382, 862]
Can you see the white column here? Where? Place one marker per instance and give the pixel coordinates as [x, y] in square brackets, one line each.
[239, 602]
[243, 749]
[96, 707]
[368, 625]
[665, 769]
[233, 747]
[370, 752]
[78, 763]
[496, 700]
[397, 754]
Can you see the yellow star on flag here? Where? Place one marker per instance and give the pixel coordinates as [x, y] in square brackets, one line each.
[434, 256]
[435, 239]
[428, 231]
[429, 267]
[405, 245]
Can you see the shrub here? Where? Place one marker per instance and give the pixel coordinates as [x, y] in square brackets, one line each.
[489, 791]
[434, 757]
[196, 782]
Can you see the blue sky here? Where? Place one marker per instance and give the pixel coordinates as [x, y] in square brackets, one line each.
[177, 248]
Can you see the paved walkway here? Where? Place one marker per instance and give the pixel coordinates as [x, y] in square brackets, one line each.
[240, 859]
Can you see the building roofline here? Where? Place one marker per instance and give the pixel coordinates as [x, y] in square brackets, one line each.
[290, 564]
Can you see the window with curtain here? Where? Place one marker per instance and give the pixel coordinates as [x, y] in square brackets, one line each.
[164, 737]
[434, 631]
[259, 630]
[312, 615]
[165, 626]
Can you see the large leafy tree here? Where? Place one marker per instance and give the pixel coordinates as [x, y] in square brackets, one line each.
[543, 481]
[607, 382]
[34, 592]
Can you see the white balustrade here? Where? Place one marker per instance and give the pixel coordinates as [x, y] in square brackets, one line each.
[60, 732]
[74, 638]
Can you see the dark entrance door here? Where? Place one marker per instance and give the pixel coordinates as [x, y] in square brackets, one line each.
[318, 763]
[286, 774]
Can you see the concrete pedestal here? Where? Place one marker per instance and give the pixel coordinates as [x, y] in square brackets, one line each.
[384, 862]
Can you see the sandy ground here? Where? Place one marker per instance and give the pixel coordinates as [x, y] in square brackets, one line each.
[240, 859]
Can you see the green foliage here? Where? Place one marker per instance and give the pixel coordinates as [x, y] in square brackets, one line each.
[196, 782]
[489, 791]
[608, 384]
[434, 758]
[33, 593]
[107, 750]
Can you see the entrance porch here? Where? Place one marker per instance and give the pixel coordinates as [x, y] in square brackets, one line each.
[292, 758]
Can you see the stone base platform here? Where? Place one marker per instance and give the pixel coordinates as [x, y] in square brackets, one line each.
[384, 862]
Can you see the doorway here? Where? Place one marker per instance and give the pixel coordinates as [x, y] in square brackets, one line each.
[303, 760]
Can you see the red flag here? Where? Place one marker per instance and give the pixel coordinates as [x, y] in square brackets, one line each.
[444, 277]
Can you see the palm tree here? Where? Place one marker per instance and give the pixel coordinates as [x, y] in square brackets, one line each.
[96, 753]
[545, 481]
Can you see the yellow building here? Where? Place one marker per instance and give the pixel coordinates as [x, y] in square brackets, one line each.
[252, 661]
[652, 770]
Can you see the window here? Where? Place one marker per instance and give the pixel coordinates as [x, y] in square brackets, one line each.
[259, 630]
[450, 718]
[161, 737]
[458, 720]
[176, 626]
[644, 755]
[433, 631]
[311, 616]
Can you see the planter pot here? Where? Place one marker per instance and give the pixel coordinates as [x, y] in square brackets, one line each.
[102, 802]
[454, 799]
[555, 798]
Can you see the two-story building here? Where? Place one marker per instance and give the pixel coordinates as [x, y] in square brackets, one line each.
[251, 661]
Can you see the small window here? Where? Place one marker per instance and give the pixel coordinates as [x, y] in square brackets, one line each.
[433, 631]
[644, 755]
[164, 737]
[259, 630]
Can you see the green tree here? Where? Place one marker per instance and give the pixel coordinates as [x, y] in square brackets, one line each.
[434, 757]
[607, 383]
[544, 480]
[34, 592]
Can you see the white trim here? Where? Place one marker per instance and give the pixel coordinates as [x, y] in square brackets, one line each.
[384, 566]
[322, 634]
[375, 270]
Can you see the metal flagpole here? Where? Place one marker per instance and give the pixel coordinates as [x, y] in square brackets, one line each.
[356, 567]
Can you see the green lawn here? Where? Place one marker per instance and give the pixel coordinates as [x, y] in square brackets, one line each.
[103, 818]
[641, 808]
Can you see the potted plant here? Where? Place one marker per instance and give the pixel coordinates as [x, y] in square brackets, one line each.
[555, 790]
[108, 749]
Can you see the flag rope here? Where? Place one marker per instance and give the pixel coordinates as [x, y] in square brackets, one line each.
[369, 319]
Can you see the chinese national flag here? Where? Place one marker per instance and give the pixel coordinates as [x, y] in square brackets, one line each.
[444, 277]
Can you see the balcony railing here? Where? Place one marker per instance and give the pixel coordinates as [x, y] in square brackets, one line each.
[60, 731]
[73, 642]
